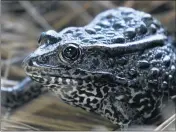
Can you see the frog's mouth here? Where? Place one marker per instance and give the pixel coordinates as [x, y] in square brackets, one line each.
[47, 75]
[49, 79]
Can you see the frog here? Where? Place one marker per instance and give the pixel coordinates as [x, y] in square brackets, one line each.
[121, 66]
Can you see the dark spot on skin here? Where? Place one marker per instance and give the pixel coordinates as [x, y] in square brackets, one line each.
[164, 85]
[99, 94]
[105, 89]
[94, 101]
[132, 73]
[41, 80]
[83, 91]
[174, 43]
[88, 79]
[30, 63]
[69, 31]
[166, 61]
[52, 86]
[104, 24]
[59, 39]
[153, 83]
[128, 18]
[76, 72]
[107, 111]
[80, 82]
[89, 105]
[89, 88]
[56, 80]
[78, 33]
[158, 55]
[152, 29]
[81, 37]
[147, 18]
[137, 98]
[110, 16]
[73, 93]
[143, 64]
[154, 72]
[85, 40]
[118, 25]
[141, 29]
[67, 68]
[118, 39]
[81, 99]
[165, 76]
[90, 30]
[130, 33]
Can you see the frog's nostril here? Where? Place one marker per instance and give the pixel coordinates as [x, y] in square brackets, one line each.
[30, 63]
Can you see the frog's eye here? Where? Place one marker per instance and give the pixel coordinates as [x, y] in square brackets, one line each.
[47, 39]
[70, 53]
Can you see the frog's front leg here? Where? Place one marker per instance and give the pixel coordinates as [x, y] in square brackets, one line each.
[21, 93]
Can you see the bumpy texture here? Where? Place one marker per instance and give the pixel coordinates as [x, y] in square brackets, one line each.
[120, 66]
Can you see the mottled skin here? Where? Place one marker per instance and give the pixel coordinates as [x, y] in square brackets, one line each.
[120, 66]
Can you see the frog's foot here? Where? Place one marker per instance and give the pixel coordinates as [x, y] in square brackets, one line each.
[20, 94]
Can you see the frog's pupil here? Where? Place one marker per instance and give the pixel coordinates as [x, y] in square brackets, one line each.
[71, 52]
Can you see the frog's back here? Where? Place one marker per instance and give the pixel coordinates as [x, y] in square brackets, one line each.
[127, 23]
[119, 25]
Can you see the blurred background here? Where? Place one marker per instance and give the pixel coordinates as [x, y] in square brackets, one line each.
[21, 24]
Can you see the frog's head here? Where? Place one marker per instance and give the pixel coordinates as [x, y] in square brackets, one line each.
[56, 61]
[60, 62]
[70, 64]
